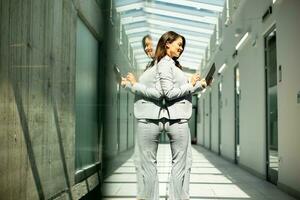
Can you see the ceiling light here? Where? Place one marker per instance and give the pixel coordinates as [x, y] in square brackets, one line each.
[158, 32]
[221, 68]
[129, 20]
[209, 20]
[242, 41]
[132, 6]
[180, 26]
[195, 4]
[136, 30]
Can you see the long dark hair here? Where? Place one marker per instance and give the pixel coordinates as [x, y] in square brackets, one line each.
[161, 49]
[151, 63]
[144, 41]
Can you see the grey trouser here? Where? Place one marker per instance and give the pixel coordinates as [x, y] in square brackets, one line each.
[147, 139]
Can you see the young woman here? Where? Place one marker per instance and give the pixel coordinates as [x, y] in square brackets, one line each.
[172, 116]
[178, 93]
[146, 106]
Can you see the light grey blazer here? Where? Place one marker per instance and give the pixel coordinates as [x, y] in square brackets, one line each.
[148, 95]
[176, 89]
[163, 80]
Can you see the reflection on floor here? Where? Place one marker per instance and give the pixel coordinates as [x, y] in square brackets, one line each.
[212, 178]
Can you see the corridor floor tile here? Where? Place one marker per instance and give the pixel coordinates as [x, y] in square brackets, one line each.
[200, 178]
[211, 178]
[228, 191]
[131, 178]
[205, 170]
[201, 190]
[113, 190]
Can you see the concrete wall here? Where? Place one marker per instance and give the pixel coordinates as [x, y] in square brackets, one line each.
[37, 85]
[117, 141]
[250, 59]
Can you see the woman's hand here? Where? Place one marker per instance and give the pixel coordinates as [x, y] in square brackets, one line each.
[124, 82]
[209, 81]
[203, 83]
[195, 78]
[131, 78]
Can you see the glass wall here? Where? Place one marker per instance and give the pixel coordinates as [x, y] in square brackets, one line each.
[87, 131]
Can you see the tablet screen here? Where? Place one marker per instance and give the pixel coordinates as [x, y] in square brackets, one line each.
[210, 73]
[117, 73]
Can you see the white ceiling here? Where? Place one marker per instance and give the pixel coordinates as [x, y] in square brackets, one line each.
[194, 19]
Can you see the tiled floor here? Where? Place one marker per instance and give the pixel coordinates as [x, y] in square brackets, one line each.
[211, 178]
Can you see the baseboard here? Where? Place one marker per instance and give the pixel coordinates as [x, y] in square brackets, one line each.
[110, 164]
[216, 153]
[289, 190]
[81, 189]
[252, 171]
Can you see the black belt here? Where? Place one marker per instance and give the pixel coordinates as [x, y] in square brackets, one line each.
[163, 120]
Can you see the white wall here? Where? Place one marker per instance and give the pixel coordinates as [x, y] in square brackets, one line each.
[252, 107]
[252, 85]
[227, 114]
[250, 58]
[288, 54]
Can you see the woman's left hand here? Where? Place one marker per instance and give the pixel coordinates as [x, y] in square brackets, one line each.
[131, 78]
[209, 82]
[124, 81]
[203, 83]
[195, 78]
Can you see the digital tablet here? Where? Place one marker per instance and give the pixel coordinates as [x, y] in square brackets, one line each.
[210, 73]
[117, 73]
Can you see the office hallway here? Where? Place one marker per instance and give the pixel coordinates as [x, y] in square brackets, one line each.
[212, 177]
[68, 125]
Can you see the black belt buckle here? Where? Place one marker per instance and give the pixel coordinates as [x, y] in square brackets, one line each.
[173, 121]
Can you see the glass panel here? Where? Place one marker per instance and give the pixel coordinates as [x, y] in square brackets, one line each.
[193, 120]
[123, 120]
[203, 122]
[192, 125]
[86, 97]
[219, 112]
[237, 112]
[272, 115]
[272, 93]
[210, 118]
